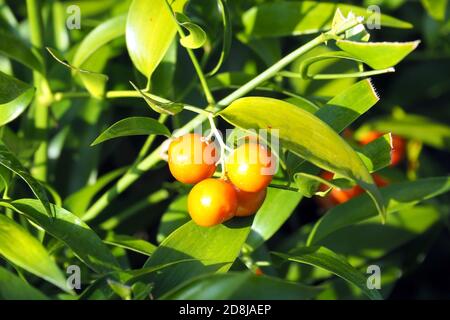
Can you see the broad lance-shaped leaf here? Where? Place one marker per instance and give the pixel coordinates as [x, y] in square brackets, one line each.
[306, 135]
[14, 288]
[212, 250]
[132, 126]
[150, 29]
[130, 243]
[240, 285]
[15, 96]
[14, 48]
[104, 33]
[378, 55]
[397, 197]
[304, 17]
[9, 161]
[21, 249]
[94, 82]
[71, 230]
[324, 258]
[166, 107]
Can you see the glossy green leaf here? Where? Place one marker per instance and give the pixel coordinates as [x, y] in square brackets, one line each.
[196, 36]
[14, 48]
[266, 223]
[411, 126]
[170, 108]
[324, 258]
[302, 17]
[132, 126]
[240, 286]
[15, 96]
[397, 197]
[104, 33]
[304, 134]
[9, 161]
[14, 288]
[71, 230]
[150, 29]
[121, 290]
[79, 202]
[376, 155]
[213, 250]
[21, 249]
[94, 82]
[227, 35]
[131, 243]
[378, 55]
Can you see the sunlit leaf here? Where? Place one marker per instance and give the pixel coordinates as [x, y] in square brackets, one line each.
[170, 108]
[196, 36]
[130, 243]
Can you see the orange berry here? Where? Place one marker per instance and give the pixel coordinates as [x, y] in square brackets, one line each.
[249, 202]
[191, 159]
[212, 201]
[250, 167]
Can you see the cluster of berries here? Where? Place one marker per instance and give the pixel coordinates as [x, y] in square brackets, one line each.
[240, 191]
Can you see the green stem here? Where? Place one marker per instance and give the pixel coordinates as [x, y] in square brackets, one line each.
[43, 93]
[153, 158]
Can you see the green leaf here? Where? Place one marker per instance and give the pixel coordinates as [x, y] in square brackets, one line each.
[397, 196]
[214, 250]
[266, 223]
[175, 216]
[378, 55]
[15, 96]
[435, 8]
[376, 155]
[9, 161]
[150, 29]
[105, 32]
[131, 243]
[79, 202]
[304, 134]
[94, 82]
[14, 48]
[326, 259]
[21, 249]
[170, 108]
[240, 286]
[14, 288]
[72, 231]
[120, 289]
[227, 35]
[132, 126]
[411, 126]
[302, 17]
[196, 37]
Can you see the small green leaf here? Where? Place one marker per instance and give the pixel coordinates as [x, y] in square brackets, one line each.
[120, 289]
[149, 31]
[326, 259]
[132, 126]
[196, 37]
[376, 155]
[227, 35]
[72, 231]
[210, 249]
[170, 108]
[14, 288]
[94, 82]
[306, 135]
[378, 55]
[15, 96]
[21, 249]
[240, 286]
[397, 197]
[130, 243]
[14, 48]
[9, 161]
[105, 32]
